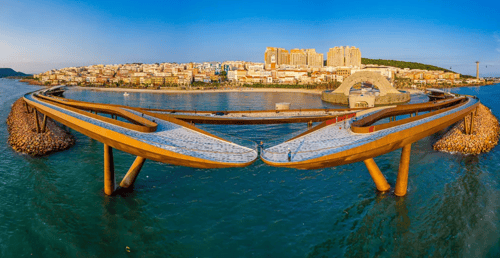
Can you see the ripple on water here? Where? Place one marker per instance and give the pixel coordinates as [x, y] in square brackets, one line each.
[54, 206]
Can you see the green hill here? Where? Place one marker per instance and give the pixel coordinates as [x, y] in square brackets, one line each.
[402, 64]
[6, 72]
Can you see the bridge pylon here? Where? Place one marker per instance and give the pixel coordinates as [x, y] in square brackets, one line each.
[377, 175]
[132, 173]
[109, 171]
[404, 167]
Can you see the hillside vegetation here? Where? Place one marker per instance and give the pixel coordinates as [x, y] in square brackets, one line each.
[402, 64]
[6, 72]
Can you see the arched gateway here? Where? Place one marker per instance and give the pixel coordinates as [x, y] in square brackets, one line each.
[375, 78]
[387, 95]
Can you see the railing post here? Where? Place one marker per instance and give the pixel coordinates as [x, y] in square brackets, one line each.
[377, 175]
[404, 167]
[133, 172]
[109, 170]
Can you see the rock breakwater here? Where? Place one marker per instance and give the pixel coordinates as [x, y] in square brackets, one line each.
[24, 138]
[483, 138]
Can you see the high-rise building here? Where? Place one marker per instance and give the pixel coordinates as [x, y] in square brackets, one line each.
[335, 57]
[314, 59]
[340, 56]
[283, 56]
[270, 52]
[352, 57]
[298, 57]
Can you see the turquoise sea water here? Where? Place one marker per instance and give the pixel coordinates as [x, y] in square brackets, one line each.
[54, 206]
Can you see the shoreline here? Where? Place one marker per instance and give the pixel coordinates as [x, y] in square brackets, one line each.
[172, 91]
[246, 89]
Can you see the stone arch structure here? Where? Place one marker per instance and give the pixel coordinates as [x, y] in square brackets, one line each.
[375, 78]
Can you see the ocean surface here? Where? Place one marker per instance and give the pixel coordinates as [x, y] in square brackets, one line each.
[54, 206]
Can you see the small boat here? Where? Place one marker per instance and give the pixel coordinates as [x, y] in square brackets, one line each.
[125, 94]
[436, 94]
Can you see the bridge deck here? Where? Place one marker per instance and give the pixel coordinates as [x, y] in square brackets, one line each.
[321, 145]
[171, 137]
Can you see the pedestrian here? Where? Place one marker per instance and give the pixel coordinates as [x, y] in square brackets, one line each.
[261, 147]
[289, 155]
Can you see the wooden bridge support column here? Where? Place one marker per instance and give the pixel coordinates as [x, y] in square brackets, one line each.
[37, 122]
[404, 167]
[377, 175]
[44, 123]
[471, 128]
[109, 170]
[466, 125]
[133, 172]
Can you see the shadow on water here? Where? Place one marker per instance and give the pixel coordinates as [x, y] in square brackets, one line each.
[459, 221]
[73, 218]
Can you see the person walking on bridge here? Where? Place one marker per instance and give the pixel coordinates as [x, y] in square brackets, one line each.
[289, 155]
[261, 147]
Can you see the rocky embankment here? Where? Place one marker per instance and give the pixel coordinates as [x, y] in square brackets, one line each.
[24, 138]
[483, 138]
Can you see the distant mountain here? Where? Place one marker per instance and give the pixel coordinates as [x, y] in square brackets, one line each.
[6, 72]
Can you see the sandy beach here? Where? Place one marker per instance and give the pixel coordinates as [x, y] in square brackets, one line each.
[172, 91]
[204, 91]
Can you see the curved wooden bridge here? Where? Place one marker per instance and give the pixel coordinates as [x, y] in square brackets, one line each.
[344, 136]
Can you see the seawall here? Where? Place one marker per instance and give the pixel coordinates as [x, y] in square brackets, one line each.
[24, 138]
[390, 98]
[483, 138]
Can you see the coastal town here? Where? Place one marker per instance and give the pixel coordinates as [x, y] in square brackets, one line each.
[297, 67]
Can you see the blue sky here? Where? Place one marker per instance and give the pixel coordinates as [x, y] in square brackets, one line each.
[36, 36]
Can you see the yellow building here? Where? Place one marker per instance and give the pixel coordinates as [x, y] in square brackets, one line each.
[344, 72]
[271, 53]
[283, 56]
[352, 57]
[314, 59]
[344, 56]
[135, 80]
[335, 57]
[171, 80]
[298, 57]
[278, 56]
[157, 80]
